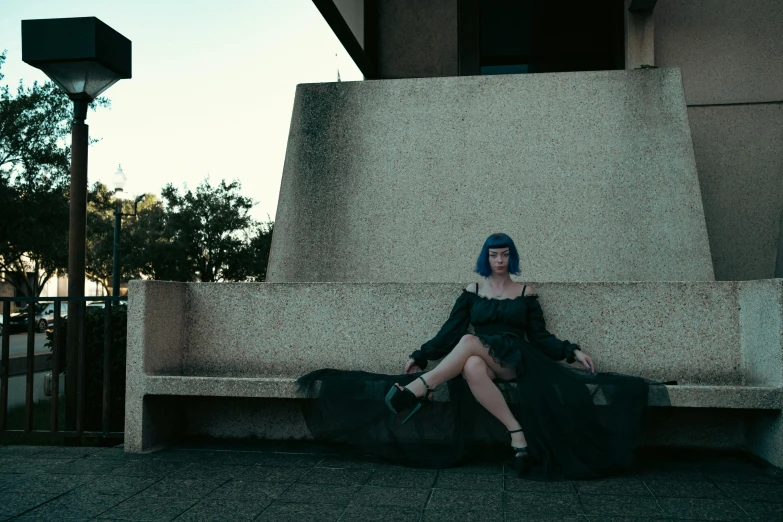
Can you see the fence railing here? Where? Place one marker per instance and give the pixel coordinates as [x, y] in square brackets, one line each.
[73, 342]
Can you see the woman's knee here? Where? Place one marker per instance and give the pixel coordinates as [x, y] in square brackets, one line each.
[469, 342]
[474, 368]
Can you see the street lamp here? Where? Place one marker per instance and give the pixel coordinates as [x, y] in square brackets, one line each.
[84, 57]
[120, 180]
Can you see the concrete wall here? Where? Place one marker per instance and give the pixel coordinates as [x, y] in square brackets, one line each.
[731, 56]
[729, 51]
[663, 331]
[739, 154]
[591, 173]
[417, 39]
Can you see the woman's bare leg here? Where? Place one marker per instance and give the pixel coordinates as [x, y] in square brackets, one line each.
[486, 392]
[451, 365]
[479, 376]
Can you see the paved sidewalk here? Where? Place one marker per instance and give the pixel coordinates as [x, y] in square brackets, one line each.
[301, 484]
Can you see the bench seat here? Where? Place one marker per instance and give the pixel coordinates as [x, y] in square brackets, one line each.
[687, 396]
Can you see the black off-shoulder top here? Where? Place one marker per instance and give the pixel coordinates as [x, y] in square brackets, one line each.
[495, 322]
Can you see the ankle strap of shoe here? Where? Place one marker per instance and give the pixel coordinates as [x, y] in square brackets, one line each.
[425, 383]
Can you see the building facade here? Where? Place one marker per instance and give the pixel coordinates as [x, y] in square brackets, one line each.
[730, 54]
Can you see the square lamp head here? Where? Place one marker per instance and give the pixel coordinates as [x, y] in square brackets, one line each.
[83, 56]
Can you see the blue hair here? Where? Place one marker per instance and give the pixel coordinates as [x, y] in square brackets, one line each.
[498, 240]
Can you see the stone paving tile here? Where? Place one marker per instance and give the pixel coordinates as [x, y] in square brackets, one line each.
[625, 486]
[149, 468]
[464, 514]
[522, 517]
[183, 455]
[8, 480]
[54, 484]
[119, 454]
[460, 499]
[238, 489]
[693, 475]
[600, 518]
[753, 476]
[386, 496]
[148, 508]
[238, 458]
[224, 509]
[28, 465]
[283, 512]
[12, 503]
[319, 494]
[182, 488]
[767, 511]
[20, 451]
[360, 513]
[614, 505]
[117, 485]
[342, 463]
[555, 487]
[683, 489]
[403, 479]
[290, 459]
[530, 503]
[78, 503]
[754, 492]
[206, 469]
[477, 470]
[335, 476]
[87, 466]
[702, 509]
[271, 474]
[66, 452]
[25, 518]
[469, 481]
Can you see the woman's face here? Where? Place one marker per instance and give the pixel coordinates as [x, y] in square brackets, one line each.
[498, 260]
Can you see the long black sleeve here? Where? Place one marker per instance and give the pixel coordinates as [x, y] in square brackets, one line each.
[449, 335]
[539, 337]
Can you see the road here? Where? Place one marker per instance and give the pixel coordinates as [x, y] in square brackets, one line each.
[18, 344]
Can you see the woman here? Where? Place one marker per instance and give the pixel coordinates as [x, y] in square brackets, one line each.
[573, 423]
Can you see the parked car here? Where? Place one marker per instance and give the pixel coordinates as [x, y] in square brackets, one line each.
[45, 319]
[18, 322]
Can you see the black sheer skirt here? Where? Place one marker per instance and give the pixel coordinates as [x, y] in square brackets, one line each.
[577, 425]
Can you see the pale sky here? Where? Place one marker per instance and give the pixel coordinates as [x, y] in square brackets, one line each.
[212, 89]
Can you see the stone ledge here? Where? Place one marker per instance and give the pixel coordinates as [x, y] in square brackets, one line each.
[688, 396]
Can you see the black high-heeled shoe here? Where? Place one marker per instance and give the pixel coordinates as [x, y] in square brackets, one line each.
[521, 458]
[398, 400]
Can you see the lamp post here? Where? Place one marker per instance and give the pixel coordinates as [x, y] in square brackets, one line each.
[84, 57]
[120, 180]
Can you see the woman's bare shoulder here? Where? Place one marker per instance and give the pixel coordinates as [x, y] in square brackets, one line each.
[530, 290]
[472, 288]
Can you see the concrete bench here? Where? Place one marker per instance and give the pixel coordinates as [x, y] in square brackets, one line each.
[221, 360]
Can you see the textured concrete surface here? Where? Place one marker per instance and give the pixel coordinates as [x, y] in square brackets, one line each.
[729, 52]
[739, 155]
[296, 482]
[591, 173]
[663, 331]
[722, 341]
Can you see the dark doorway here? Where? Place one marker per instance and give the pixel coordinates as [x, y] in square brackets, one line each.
[535, 36]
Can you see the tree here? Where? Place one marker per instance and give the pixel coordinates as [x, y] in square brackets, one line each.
[34, 180]
[249, 262]
[145, 246]
[208, 225]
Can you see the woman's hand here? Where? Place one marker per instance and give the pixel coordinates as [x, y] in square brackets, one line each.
[410, 367]
[585, 359]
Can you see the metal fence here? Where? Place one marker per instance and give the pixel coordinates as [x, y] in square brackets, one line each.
[74, 370]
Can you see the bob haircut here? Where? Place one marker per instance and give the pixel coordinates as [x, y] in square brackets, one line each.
[498, 240]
